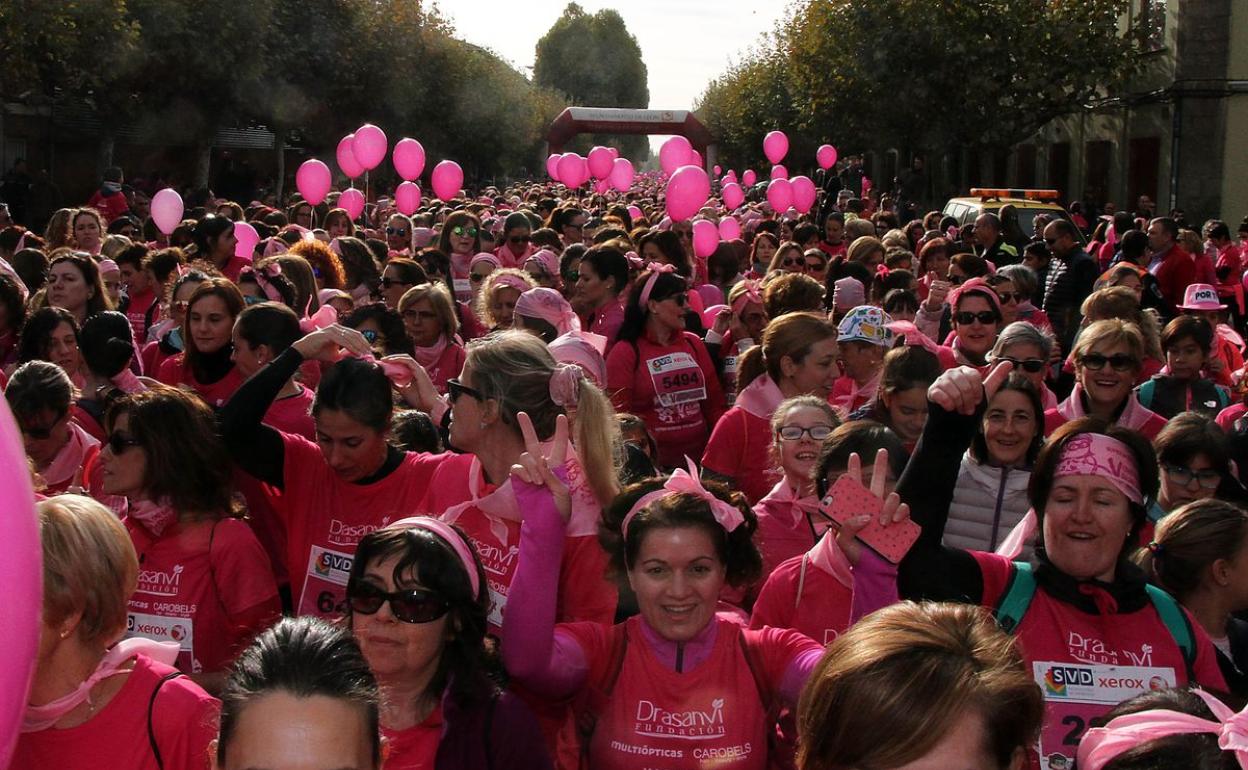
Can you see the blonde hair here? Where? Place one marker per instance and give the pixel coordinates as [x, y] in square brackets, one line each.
[89, 567]
[113, 245]
[1111, 331]
[514, 368]
[892, 686]
[487, 290]
[777, 259]
[1121, 302]
[791, 335]
[863, 247]
[439, 298]
[895, 239]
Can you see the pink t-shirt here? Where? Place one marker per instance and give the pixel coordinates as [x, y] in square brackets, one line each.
[738, 448]
[415, 748]
[801, 596]
[205, 585]
[184, 722]
[174, 371]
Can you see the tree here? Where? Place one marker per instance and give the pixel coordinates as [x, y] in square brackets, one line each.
[594, 61]
[746, 102]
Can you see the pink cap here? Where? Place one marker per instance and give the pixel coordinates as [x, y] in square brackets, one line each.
[485, 259]
[1201, 296]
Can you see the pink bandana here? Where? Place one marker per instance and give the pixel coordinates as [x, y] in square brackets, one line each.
[546, 260]
[680, 482]
[60, 472]
[1101, 745]
[565, 384]
[751, 295]
[42, 717]
[452, 538]
[510, 281]
[585, 350]
[761, 397]
[549, 306]
[154, 516]
[262, 276]
[828, 556]
[1133, 416]
[428, 355]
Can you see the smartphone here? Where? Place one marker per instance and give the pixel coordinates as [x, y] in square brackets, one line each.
[848, 498]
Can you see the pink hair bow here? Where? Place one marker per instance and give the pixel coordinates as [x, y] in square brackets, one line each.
[262, 277]
[127, 382]
[565, 384]
[326, 316]
[1101, 745]
[655, 268]
[882, 271]
[275, 246]
[751, 295]
[398, 372]
[634, 261]
[335, 247]
[913, 336]
[688, 483]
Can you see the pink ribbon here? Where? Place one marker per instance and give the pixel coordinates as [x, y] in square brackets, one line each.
[326, 316]
[262, 276]
[913, 336]
[761, 397]
[452, 538]
[655, 269]
[750, 295]
[127, 382]
[1101, 745]
[565, 384]
[688, 483]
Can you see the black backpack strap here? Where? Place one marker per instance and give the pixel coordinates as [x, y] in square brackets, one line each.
[151, 705]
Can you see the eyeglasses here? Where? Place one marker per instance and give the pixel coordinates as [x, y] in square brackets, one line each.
[1183, 476]
[455, 389]
[814, 267]
[370, 335]
[966, 317]
[464, 232]
[390, 283]
[396, 231]
[408, 606]
[518, 239]
[1119, 361]
[118, 443]
[420, 315]
[956, 280]
[1007, 297]
[795, 432]
[1031, 365]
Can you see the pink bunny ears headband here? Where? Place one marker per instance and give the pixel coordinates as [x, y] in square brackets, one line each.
[682, 482]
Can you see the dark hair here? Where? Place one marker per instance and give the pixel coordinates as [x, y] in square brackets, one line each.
[736, 549]
[390, 323]
[1067, 228]
[37, 387]
[1016, 382]
[285, 288]
[228, 293]
[608, 262]
[269, 323]
[1192, 751]
[31, 265]
[459, 219]
[186, 458]
[90, 271]
[32, 343]
[14, 306]
[107, 343]
[359, 265]
[884, 282]
[132, 255]
[668, 243]
[635, 316]
[864, 437]
[163, 263]
[1169, 225]
[901, 300]
[972, 264]
[1218, 230]
[208, 231]
[424, 558]
[1133, 244]
[359, 389]
[1189, 540]
[1188, 327]
[303, 657]
[413, 431]
[804, 232]
[1189, 434]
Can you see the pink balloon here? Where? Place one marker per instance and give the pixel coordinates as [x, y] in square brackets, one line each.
[353, 201]
[775, 146]
[717, 170]
[600, 162]
[697, 159]
[804, 193]
[687, 192]
[826, 155]
[313, 181]
[674, 153]
[749, 177]
[614, 152]
[447, 179]
[22, 573]
[369, 146]
[729, 229]
[409, 158]
[705, 238]
[634, 212]
[731, 176]
[779, 172]
[733, 195]
[622, 174]
[602, 186]
[247, 238]
[780, 195]
[407, 198]
[166, 207]
[552, 166]
[573, 170]
[347, 162]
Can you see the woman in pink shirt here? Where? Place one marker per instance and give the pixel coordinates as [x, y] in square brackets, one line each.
[428, 313]
[206, 366]
[601, 288]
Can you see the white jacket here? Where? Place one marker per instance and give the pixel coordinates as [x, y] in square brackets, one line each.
[987, 503]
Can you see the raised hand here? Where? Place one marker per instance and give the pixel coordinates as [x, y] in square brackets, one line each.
[327, 344]
[535, 466]
[893, 511]
[963, 388]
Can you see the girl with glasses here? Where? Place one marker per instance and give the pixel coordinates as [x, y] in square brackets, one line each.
[206, 365]
[517, 243]
[165, 335]
[428, 314]
[1195, 458]
[417, 603]
[460, 240]
[1108, 356]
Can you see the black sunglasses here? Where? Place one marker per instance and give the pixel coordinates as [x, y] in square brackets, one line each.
[1119, 361]
[396, 231]
[1031, 365]
[519, 239]
[966, 317]
[390, 283]
[956, 280]
[455, 389]
[118, 443]
[41, 433]
[409, 606]
[1007, 297]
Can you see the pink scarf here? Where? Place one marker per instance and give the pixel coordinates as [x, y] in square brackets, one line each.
[154, 516]
[427, 356]
[761, 397]
[1133, 416]
[784, 494]
[828, 556]
[845, 402]
[60, 472]
[42, 717]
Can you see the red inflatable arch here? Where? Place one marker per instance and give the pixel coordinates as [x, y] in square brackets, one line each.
[613, 120]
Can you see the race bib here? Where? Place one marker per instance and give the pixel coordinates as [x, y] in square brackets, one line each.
[325, 584]
[677, 379]
[1075, 693]
[162, 628]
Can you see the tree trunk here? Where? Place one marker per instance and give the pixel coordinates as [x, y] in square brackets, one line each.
[279, 147]
[203, 163]
[104, 156]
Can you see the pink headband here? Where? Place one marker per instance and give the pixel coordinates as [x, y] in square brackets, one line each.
[511, 281]
[485, 259]
[565, 384]
[680, 482]
[979, 287]
[261, 275]
[1095, 454]
[547, 261]
[108, 266]
[550, 306]
[399, 374]
[1101, 745]
[655, 269]
[452, 538]
[634, 261]
[750, 295]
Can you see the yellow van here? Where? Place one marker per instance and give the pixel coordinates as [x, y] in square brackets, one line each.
[1029, 203]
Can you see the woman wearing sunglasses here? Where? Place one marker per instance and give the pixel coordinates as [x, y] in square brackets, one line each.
[206, 581]
[976, 315]
[417, 602]
[383, 329]
[399, 275]
[460, 239]
[206, 366]
[788, 258]
[517, 242]
[428, 314]
[42, 398]
[344, 484]
[663, 374]
[479, 269]
[1029, 348]
[1108, 356]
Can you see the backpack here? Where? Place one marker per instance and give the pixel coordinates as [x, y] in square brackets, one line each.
[1018, 594]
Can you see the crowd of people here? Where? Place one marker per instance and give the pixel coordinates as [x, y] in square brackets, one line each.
[525, 480]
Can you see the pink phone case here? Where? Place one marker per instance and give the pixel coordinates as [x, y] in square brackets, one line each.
[848, 498]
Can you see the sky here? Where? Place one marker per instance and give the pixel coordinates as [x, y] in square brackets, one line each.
[684, 43]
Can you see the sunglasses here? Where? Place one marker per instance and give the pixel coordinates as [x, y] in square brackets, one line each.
[408, 606]
[249, 300]
[370, 335]
[40, 433]
[795, 433]
[390, 283]
[1030, 365]
[396, 231]
[1183, 476]
[420, 315]
[966, 317]
[118, 443]
[1119, 361]
[477, 277]
[1007, 297]
[518, 239]
[455, 389]
[956, 280]
[464, 232]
